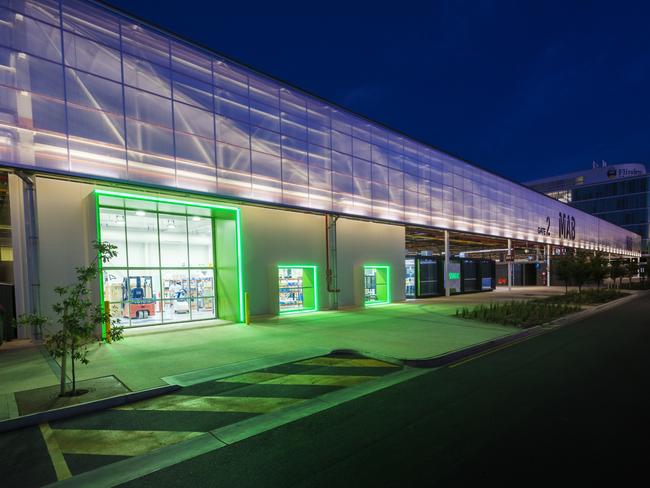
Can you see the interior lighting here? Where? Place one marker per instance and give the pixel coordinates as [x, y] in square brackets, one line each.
[140, 213]
[196, 219]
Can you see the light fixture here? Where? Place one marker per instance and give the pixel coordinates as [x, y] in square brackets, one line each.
[196, 219]
[140, 213]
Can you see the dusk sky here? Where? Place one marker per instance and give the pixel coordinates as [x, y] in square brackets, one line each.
[526, 89]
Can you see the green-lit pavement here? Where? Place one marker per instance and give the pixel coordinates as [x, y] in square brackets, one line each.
[61, 449]
[415, 329]
[567, 407]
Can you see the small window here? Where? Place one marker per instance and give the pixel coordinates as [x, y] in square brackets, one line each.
[580, 180]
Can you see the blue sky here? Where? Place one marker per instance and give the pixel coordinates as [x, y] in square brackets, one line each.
[526, 89]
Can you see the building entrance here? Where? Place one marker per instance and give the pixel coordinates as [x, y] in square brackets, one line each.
[176, 262]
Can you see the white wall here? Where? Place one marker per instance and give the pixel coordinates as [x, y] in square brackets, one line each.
[271, 237]
[360, 243]
[66, 229]
[66, 222]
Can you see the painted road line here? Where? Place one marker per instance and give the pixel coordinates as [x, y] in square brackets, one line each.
[58, 461]
[133, 468]
[117, 442]
[347, 362]
[186, 403]
[244, 429]
[139, 466]
[298, 379]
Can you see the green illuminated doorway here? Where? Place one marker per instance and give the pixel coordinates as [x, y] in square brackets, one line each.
[297, 288]
[376, 284]
[178, 261]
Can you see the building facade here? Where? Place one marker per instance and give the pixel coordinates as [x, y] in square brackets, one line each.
[216, 181]
[617, 193]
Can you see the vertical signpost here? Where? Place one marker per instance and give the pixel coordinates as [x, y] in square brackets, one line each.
[509, 259]
[548, 265]
[447, 290]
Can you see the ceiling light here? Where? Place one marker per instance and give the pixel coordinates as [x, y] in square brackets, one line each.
[140, 213]
[196, 219]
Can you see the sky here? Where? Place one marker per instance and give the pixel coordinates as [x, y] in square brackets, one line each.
[526, 89]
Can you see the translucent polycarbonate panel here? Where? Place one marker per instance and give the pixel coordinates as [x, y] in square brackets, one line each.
[89, 21]
[134, 104]
[147, 107]
[24, 34]
[92, 57]
[92, 91]
[192, 91]
[147, 75]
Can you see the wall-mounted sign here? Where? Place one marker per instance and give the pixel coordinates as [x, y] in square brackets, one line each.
[545, 229]
[454, 276]
[566, 226]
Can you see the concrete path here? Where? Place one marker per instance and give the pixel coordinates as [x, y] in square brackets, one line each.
[415, 329]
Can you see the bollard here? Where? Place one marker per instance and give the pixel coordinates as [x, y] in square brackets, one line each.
[247, 315]
[107, 315]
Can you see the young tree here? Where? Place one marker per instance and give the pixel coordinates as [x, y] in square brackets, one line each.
[599, 269]
[77, 317]
[616, 272]
[564, 269]
[580, 270]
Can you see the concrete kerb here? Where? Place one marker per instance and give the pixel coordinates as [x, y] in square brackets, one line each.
[83, 408]
[232, 369]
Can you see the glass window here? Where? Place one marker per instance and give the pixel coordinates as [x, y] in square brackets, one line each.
[151, 280]
[142, 234]
[113, 230]
[199, 230]
[173, 240]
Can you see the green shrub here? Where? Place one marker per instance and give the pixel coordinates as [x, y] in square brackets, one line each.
[528, 313]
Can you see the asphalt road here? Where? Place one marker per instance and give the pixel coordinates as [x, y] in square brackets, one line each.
[570, 406]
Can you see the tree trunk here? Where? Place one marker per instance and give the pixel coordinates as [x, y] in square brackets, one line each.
[74, 377]
[62, 382]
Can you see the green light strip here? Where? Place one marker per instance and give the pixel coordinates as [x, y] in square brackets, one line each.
[303, 266]
[100, 265]
[240, 265]
[148, 198]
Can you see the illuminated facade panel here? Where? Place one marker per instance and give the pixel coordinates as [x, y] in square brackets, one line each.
[90, 92]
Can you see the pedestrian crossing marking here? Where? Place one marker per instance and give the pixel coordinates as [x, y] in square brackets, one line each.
[298, 379]
[54, 450]
[186, 403]
[117, 442]
[347, 362]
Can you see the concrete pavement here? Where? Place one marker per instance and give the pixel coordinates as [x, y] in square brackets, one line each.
[415, 329]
